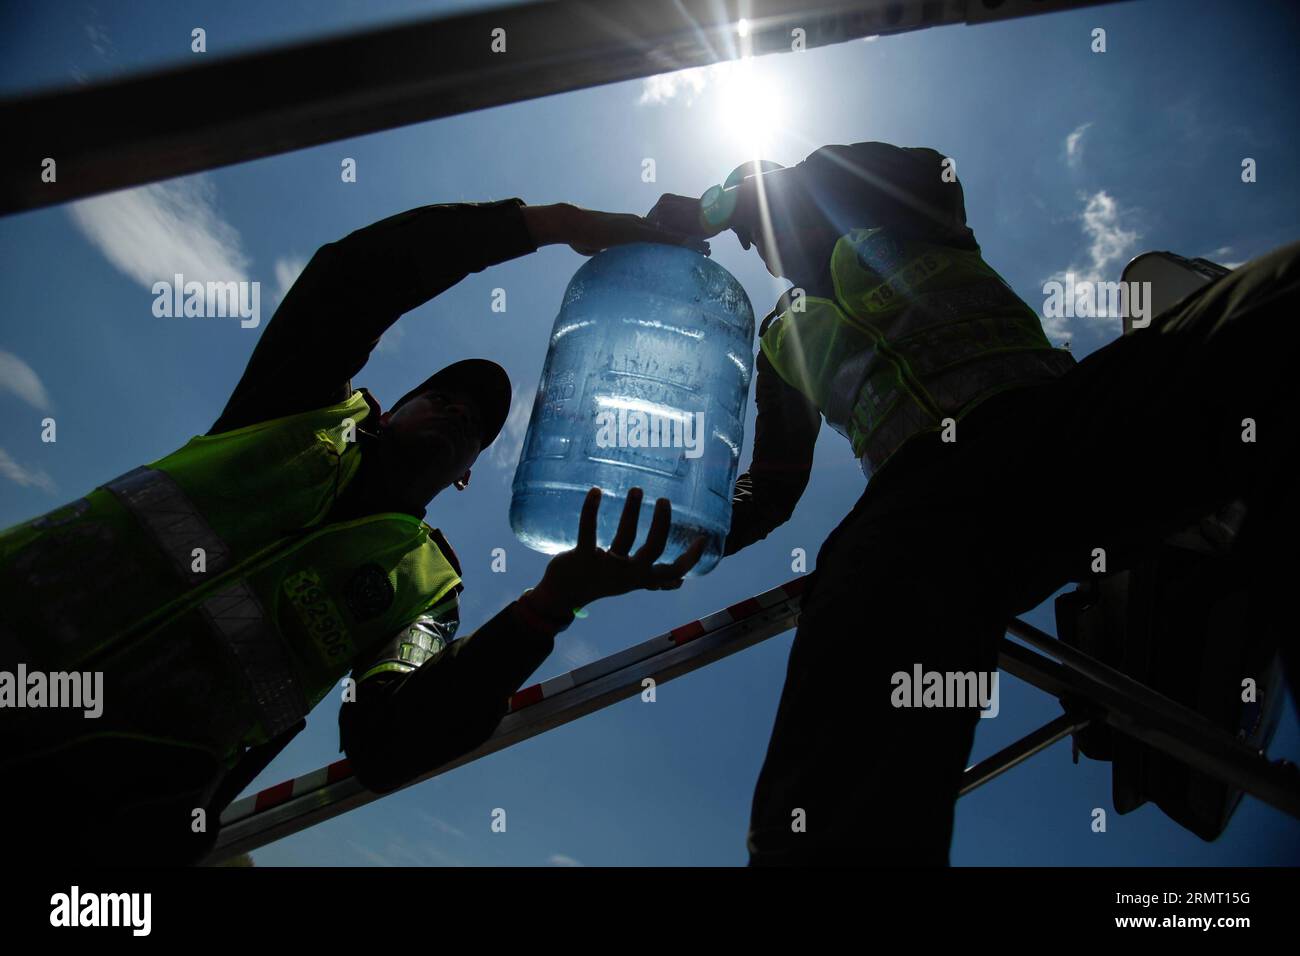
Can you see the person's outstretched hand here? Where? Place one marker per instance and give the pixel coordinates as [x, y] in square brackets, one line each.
[588, 231]
[680, 214]
[575, 578]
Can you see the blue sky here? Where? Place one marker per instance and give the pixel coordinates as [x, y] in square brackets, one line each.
[1070, 160]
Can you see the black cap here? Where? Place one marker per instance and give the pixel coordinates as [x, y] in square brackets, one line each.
[484, 382]
[871, 184]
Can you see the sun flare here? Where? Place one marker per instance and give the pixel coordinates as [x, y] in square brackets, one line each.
[752, 108]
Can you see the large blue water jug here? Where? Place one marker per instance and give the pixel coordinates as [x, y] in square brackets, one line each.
[645, 385]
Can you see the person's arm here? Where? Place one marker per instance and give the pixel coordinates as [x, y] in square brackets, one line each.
[785, 434]
[418, 709]
[354, 289]
[414, 714]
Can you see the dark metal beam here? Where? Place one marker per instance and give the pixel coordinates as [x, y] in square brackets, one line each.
[179, 121]
[1134, 709]
[1017, 753]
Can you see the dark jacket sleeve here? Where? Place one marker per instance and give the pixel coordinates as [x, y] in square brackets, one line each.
[353, 290]
[785, 434]
[403, 725]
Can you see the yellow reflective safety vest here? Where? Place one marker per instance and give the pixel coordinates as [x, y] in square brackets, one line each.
[206, 588]
[916, 333]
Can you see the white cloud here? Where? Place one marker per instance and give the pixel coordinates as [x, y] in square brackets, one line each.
[287, 271]
[388, 342]
[19, 377]
[1056, 328]
[369, 855]
[1074, 145]
[505, 451]
[400, 850]
[1220, 255]
[435, 856]
[688, 83]
[1110, 242]
[26, 477]
[578, 652]
[155, 231]
[441, 825]
[99, 40]
[559, 859]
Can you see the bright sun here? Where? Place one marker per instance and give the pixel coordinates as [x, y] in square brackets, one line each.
[752, 108]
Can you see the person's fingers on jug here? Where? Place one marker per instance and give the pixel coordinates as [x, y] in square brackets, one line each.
[657, 537]
[646, 230]
[668, 208]
[685, 561]
[627, 523]
[587, 523]
[676, 238]
[681, 213]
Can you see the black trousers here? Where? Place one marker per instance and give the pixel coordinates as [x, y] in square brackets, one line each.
[109, 802]
[951, 540]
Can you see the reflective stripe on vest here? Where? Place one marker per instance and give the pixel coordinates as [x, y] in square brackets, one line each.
[234, 616]
[225, 657]
[238, 619]
[173, 522]
[910, 418]
[916, 333]
[416, 644]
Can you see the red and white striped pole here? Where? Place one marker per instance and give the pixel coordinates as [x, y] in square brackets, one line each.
[297, 804]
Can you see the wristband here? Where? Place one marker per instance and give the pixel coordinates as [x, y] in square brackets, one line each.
[532, 606]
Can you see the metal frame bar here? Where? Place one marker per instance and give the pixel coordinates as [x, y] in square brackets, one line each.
[1114, 698]
[1020, 751]
[1134, 709]
[178, 121]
